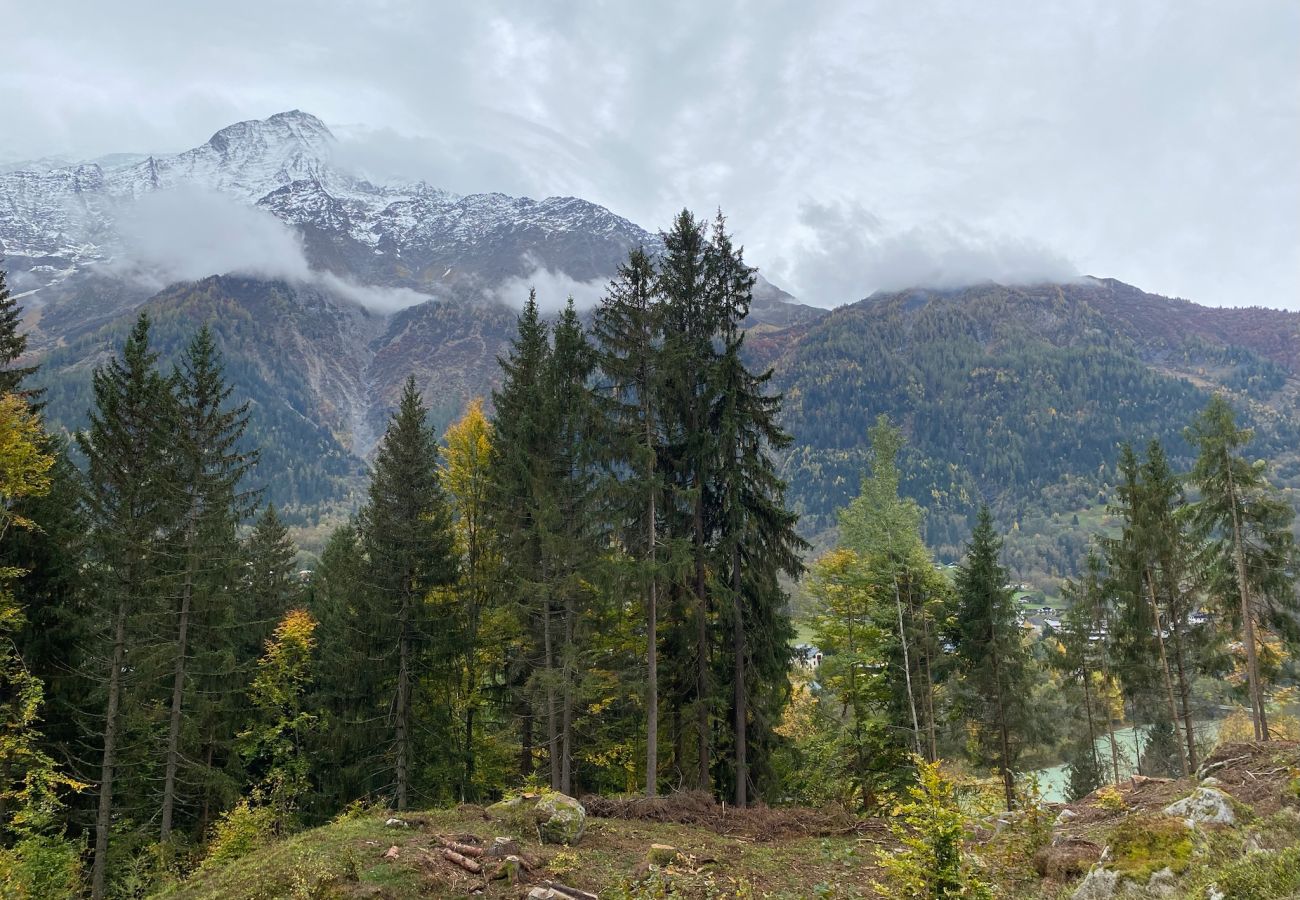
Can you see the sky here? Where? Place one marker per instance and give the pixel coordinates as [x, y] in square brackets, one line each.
[853, 145]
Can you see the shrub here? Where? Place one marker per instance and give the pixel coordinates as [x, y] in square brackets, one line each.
[930, 827]
[1110, 799]
[240, 831]
[1259, 876]
[40, 867]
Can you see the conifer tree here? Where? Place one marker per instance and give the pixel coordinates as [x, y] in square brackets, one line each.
[991, 653]
[628, 335]
[406, 534]
[208, 464]
[13, 344]
[755, 541]
[1249, 545]
[520, 454]
[272, 587]
[691, 319]
[127, 507]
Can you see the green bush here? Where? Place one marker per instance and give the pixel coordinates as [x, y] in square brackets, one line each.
[1260, 876]
[240, 831]
[40, 867]
[1142, 845]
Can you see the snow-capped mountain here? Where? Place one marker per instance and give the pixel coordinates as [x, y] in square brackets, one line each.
[55, 221]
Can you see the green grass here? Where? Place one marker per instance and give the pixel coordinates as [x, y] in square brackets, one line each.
[346, 860]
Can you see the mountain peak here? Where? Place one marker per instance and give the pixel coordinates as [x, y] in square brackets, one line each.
[292, 129]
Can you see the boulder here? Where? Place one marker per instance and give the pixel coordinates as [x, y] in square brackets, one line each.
[1101, 884]
[1206, 806]
[561, 819]
[1162, 883]
[394, 823]
[1065, 816]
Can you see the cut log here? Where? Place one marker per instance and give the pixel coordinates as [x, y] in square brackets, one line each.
[462, 849]
[463, 861]
[571, 892]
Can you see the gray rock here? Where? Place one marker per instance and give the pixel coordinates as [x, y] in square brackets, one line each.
[1066, 815]
[1206, 806]
[394, 823]
[1163, 883]
[1100, 884]
[561, 819]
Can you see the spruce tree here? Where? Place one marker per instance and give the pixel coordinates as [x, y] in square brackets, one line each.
[1250, 550]
[271, 584]
[991, 653]
[755, 541]
[128, 507]
[520, 454]
[406, 534]
[627, 332]
[208, 464]
[13, 344]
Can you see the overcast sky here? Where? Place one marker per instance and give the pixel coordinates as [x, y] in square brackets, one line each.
[854, 145]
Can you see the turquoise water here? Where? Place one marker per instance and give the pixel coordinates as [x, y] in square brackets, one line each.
[1054, 780]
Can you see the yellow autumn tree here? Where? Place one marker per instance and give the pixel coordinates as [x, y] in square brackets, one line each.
[34, 859]
[483, 627]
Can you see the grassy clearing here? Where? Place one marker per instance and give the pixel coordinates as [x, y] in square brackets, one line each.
[347, 860]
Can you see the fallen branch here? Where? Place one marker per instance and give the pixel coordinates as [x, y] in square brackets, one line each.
[463, 849]
[567, 891]
[1206, 769]
[463, 861]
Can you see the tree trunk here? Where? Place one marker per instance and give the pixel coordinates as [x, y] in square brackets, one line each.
[178, 694]
[552, 725]
[566, 719]
[525, 739]
[704, 754]
[907, 670]
[1087, 705]
[104, 815]
[652, 656]
[928, 698]
[403, 706]
[1164, 670]
[1260, 716]
[741, 689]
[1110, 731]
[1184, 692]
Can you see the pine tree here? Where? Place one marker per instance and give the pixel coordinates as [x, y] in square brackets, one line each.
[570, 537]
[207, 466]
[756, 542]
[991, 653]
[517, 472]
[13, 344]
[628, 335]
[406, 533]
[1249, 547]
[272, 586]
[127, 506]
[691, 320]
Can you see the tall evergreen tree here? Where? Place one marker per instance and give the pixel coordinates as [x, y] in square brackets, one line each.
[628, 337]
[207, 467]
[271, 584]
[756, 542]
[128, 506]
[991, 653]
[13, 344]
[1249, 546]
[406, 533]
[517, 472]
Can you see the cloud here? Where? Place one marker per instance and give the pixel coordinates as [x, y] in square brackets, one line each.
[1095, 128]
[553, 289]
[848, 252]
[184, 234]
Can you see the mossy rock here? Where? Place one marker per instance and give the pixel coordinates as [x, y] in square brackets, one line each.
[1140, 846]
[561, 819]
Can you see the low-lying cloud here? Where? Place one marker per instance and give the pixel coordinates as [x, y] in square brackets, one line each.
[553, 289]
[184, 234]
[849, 252]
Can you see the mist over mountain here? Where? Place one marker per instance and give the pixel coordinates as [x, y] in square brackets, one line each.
[1013, 376]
